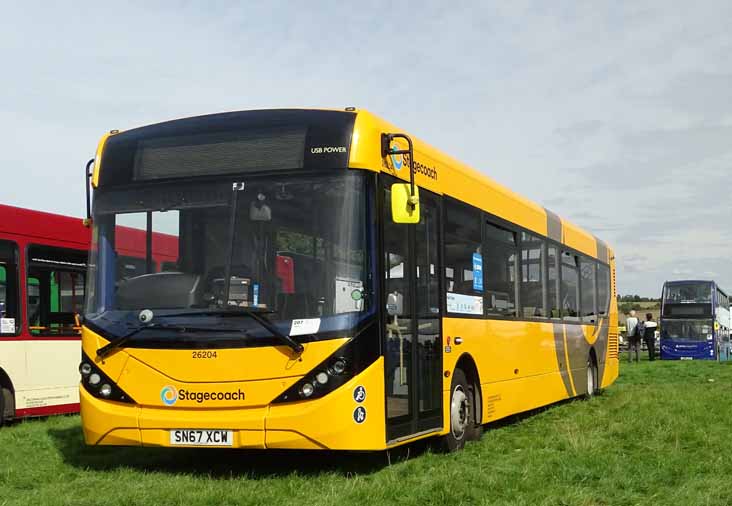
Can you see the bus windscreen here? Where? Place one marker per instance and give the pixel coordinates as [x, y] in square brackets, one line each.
[293, 248]
[688, 293]
[687, 330]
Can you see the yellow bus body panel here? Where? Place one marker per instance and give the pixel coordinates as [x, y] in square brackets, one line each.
[261, 373]
[98, 160]
[329, 422]
[519, 363]
[324, 423]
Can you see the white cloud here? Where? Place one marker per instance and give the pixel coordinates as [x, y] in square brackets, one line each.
[615, 115]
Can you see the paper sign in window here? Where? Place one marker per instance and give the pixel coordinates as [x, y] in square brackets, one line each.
[304, 327]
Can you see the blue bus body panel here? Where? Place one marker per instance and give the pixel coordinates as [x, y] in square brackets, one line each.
[677, 349]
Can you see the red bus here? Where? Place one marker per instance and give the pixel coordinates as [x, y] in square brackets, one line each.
[43, 262]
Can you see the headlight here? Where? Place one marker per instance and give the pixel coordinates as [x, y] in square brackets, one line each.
[338, 366]
[307, 389]
[99, 384]
[335, 371]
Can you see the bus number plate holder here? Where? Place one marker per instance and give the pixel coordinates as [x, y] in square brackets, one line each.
[201, 437]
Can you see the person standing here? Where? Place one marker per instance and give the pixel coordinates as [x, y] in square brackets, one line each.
[649, 336]
[633, 336]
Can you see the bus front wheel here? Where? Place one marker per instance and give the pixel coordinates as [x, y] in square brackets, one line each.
[462, 413]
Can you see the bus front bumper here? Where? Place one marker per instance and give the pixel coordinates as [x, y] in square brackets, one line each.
[330, 422]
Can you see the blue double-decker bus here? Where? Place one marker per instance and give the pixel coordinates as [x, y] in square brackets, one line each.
[695, 321]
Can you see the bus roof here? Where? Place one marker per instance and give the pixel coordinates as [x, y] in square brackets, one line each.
[39, 224]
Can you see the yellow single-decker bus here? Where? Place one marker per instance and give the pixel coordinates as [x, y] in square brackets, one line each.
[338, 285]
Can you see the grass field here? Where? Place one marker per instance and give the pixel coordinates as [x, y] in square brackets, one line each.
[661, 435]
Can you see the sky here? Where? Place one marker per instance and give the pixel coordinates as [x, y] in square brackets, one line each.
[615, 115]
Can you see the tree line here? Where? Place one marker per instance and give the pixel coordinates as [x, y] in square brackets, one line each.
[637, 298]
[626, 303]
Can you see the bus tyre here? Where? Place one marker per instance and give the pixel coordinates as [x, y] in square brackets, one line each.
[462, 417]
[591, 379]
[2, 406]
[6, 405]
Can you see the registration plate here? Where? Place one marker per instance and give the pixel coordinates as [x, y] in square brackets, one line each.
[201, 437]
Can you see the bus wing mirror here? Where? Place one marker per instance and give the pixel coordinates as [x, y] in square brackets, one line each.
[404, 205]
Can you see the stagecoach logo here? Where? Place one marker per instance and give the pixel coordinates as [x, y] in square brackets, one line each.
[397, 160]
[169, 395]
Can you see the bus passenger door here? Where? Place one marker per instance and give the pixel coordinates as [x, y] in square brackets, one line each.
[412, 347]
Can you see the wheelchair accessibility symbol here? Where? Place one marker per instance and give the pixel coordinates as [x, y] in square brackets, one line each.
[359, 394]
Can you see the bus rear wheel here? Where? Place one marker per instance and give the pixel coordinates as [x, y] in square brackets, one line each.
[591, 379]
[462, 414]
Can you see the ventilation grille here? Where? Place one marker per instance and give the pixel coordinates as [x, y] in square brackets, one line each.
[612, 346]
[615, 289]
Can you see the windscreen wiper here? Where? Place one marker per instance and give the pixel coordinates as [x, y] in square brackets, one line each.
[120, 341]
[257, 316]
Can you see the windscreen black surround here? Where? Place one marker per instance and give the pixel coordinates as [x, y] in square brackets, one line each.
[233, 143]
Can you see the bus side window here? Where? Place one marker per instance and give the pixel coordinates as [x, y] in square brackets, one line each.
[533, 277]
[603, 289]
[9, 289]
[570, 287]
[553, 282]
[464, 273]
[588, 303]
[33, 303]
[55, 290]
[500, 270]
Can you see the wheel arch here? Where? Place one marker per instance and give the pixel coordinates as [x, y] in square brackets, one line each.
[466, 363]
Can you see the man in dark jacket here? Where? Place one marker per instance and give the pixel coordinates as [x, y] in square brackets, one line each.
[649, 336]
